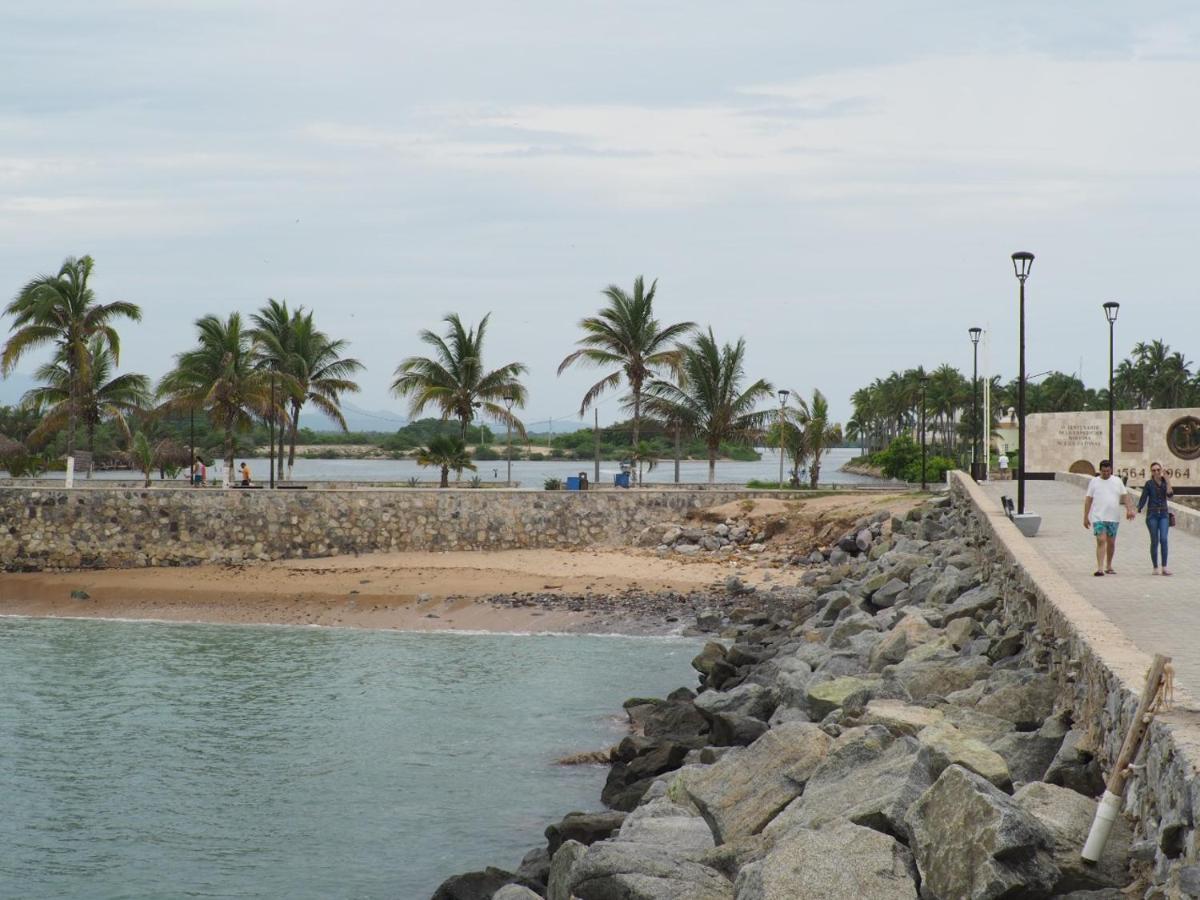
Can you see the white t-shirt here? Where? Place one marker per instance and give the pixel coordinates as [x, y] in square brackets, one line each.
[1108, 496]
[1003, 461]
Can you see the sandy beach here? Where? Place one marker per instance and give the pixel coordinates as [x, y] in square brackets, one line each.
[410, 591]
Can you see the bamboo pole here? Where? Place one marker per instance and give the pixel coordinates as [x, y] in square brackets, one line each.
[1157, 680]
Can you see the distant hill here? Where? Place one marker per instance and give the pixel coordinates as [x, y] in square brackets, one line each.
[357, 419]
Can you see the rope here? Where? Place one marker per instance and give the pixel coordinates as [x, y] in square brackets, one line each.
[1164, 691]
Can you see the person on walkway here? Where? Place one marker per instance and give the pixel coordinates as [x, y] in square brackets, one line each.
[1003, 463]
[1155, 494]
[197, 478]
[245, 474]
[1102, 514]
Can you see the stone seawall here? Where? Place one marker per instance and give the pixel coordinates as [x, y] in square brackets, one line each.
[122, 528]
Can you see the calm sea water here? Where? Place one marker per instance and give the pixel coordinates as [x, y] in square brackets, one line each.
[149, 760]
[532, 473]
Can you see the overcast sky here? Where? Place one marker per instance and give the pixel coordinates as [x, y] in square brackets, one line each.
[841, 184]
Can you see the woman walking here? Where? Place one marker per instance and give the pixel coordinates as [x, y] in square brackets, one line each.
[1158, 514]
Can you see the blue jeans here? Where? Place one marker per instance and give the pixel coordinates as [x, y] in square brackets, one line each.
[1159, 525]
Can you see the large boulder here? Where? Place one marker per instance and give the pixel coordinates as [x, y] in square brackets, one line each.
[937, 678]
[515, 892]
[842, 860]
[583, 827]
[1068, 817]
[975, 601]
[670, 826]
[675, 720]
[899, 717]
[971, 841]
[744, 700]
[481, 885]
[1026, 702]
[944, 745]
[1030, 753]
[825, 697]
[869, 777]
[561, 865]
[746, 788]
[621, 870]
[909, 632]
[1075, 766]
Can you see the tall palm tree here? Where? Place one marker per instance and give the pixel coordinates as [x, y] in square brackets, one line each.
[219, 376]
[454, 379]
[709, 399]
[819, 433]
[289, 344]
[626, 335]
[62, 310]
[101, 396]
[446, 452]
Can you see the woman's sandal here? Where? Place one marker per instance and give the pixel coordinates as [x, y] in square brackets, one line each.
[1098, 574]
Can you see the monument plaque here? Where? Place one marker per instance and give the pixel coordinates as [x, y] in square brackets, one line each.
[1131, 439]
[1183, 437]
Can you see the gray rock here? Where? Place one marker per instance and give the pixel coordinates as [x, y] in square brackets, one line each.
[736, 731]
[1025, 703]
[515, 892]
[887, 595]
[670, 826]
[863, 539]
[847, 627]
[948, 586]
[1030, 753]
[586, 828]
[687, 549]
[743, 700]
[620, 870]
[935, 678]
[841, 861]
[481, 885]
[745, 789]
[1075, 767]
[837, 556]
[971, 841]
[826, 696]
[970, 604]
[1068, 817]
[707, 658]
[535, 867]
[735, 587]
[869, 777]
[944, 745]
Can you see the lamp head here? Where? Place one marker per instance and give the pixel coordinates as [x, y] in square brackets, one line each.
[974, 333]
[1022, 263]
[1110, 311]
[783, 396]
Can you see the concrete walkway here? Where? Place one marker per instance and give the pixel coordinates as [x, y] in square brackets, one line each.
[1159, 614]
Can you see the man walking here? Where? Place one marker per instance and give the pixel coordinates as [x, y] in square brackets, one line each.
[1102, 514]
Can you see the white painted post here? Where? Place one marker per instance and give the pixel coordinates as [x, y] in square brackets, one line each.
[70, 472]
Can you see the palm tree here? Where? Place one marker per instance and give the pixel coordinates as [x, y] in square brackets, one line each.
[101, 396]
[290, 345]
[447, 452]
[141, 454]
[220, 376]
[455, 379]
[626, 335]
[819, 433]
[709, 399]
[62, 310]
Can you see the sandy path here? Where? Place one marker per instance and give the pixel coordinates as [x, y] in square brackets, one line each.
[426, 591]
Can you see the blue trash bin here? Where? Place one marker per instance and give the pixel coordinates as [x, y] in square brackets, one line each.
[621, 479]
[572, 482]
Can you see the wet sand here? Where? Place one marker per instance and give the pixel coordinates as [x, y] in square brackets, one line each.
[410, 591]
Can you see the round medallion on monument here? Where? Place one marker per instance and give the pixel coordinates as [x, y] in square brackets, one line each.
[1183, 437]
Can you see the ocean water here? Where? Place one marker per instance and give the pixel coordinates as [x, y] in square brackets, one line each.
[158, 760]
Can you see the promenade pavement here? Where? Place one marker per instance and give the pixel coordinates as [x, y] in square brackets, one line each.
[1159, 614]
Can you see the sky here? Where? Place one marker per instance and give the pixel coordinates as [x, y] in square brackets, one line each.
[839, 184]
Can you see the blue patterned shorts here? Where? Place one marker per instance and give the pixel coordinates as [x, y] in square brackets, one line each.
[1109, 528]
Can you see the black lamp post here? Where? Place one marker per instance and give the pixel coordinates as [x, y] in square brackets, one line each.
[1110, 313]
[924, 385]
[1022, 263]
[192, 444]
[508, 404]
[783, 396]
[975, 467]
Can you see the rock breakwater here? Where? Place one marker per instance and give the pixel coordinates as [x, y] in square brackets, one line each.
[881, 729]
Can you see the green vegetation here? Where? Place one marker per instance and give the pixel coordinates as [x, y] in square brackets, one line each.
[446, 452]
[902, 459]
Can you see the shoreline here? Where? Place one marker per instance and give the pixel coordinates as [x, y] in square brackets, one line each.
[517, 591]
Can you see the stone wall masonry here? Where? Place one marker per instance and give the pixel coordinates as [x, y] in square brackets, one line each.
[1101, 675]
[124, 528]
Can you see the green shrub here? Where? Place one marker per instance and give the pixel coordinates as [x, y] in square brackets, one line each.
[487, 454]
[552, 484]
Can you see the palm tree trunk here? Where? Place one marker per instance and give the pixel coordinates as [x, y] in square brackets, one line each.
[72, 405]
[637, 418]
[445, 476]
[295, 430]
[712, 464]
[677, 429]
[228, 454]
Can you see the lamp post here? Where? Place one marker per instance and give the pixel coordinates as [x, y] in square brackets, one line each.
[1022, 262]
[975, 333]
[508, 405]
[783, 396]
[192, 444]
[924, 385]
[1110, 313]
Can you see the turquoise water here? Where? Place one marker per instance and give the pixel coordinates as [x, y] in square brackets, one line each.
[150, 760]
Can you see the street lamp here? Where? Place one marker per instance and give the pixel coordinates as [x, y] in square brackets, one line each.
[272, 421]
[1110, 313]
[783, 396]
[924, 385]
[1022, 262]
[192, 444]
[508, 404]
[975, 333]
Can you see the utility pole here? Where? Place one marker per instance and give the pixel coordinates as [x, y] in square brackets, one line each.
[597, 436]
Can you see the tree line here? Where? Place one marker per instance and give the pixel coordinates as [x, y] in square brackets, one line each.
[268, 369]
